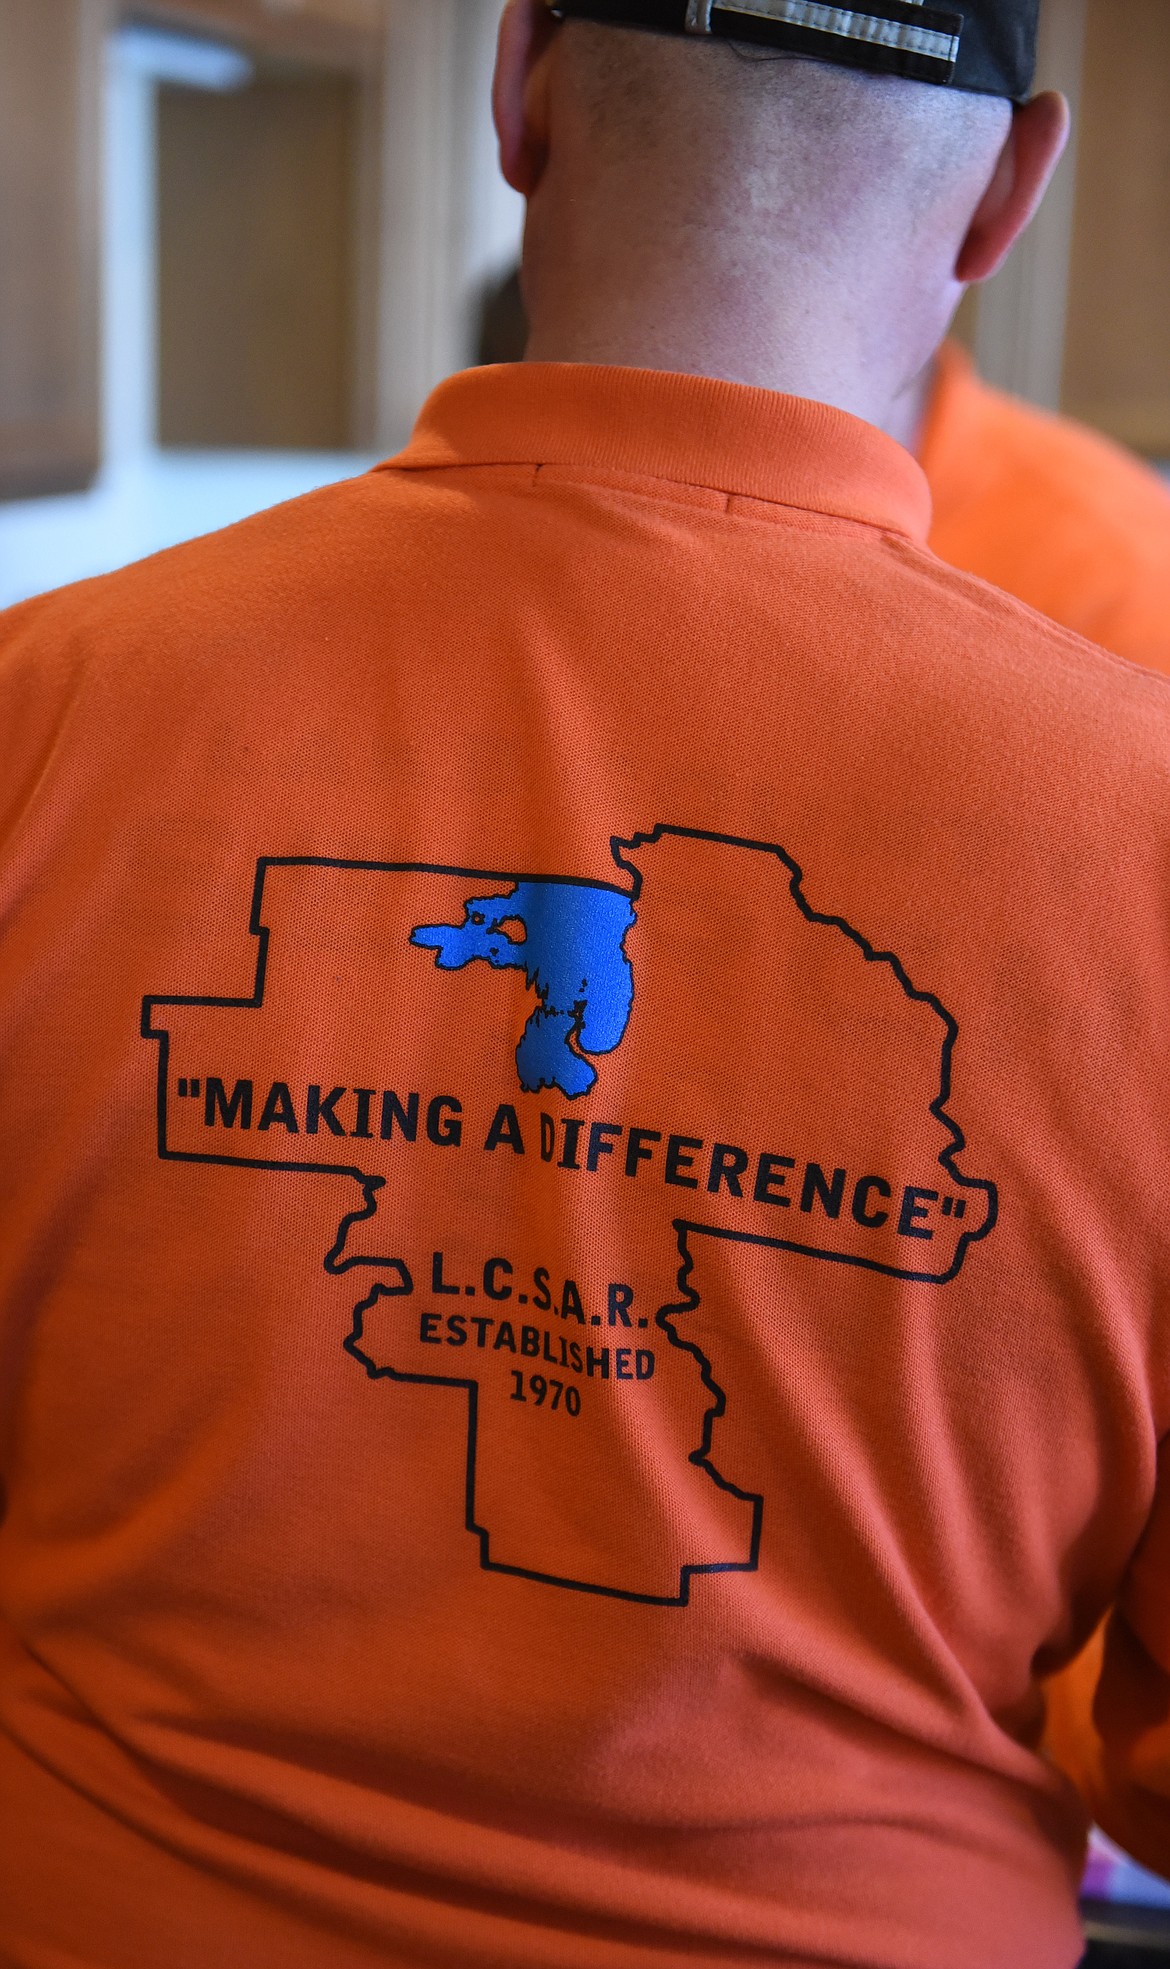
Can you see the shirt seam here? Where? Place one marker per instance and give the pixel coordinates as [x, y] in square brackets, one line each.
[532, 472]
[1012, 605]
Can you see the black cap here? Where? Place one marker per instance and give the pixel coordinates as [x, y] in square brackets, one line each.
[986, 46]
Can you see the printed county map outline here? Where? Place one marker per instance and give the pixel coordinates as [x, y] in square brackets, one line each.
[920, 1231]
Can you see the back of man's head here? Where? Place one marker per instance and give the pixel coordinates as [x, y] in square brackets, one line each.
[769, 147]
[737, 202]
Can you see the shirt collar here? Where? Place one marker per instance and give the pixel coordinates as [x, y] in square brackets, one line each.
[690, 430]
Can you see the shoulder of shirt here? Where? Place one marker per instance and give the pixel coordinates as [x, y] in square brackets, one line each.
[311, 541]
[1040, 661]
[208, 602]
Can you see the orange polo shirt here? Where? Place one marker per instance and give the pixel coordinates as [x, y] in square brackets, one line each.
[1051, 511]
[584, 1249]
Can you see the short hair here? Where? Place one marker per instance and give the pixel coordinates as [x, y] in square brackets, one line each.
[641, 89]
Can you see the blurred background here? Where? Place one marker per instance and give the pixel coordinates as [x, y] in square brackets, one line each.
[241, 239]
[239, 242]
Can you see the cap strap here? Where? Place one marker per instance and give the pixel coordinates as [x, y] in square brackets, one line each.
[893, 37]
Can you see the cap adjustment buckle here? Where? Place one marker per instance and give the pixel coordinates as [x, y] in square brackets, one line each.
[917, 39]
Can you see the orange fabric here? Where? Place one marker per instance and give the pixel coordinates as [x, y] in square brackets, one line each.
[1051, 511]
[1079, 529]
[584, 1249]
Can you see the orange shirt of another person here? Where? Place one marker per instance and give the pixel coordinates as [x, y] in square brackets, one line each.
[1050, 511]
[584, 1243]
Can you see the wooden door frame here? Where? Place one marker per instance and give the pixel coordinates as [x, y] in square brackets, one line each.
[439, 155]
[346, 36]
[60, 450]
[423, 67]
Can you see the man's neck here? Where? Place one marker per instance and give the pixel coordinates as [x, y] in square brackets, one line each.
[699, 307]
[729, 350]
[907, 418]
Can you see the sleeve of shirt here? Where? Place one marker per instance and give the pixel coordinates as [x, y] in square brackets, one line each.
[1109, 1712]
[34, 670]
[34, 702]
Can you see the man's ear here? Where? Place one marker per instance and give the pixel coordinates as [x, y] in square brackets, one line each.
[519, 101]
[1031, 154]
